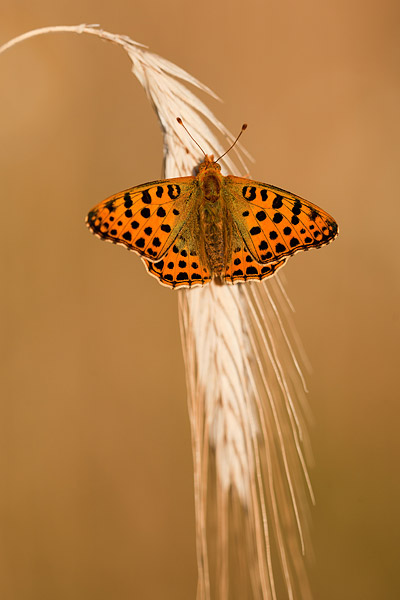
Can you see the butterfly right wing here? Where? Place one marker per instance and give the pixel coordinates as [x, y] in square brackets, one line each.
[148, 218]
[274, 223]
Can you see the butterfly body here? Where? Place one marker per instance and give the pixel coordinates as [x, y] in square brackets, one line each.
[214, 220]
[190, 230]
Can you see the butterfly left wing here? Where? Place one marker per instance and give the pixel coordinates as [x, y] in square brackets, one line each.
[146, 219]
[273, 223]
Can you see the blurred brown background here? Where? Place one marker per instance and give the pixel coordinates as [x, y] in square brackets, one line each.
[96, 494]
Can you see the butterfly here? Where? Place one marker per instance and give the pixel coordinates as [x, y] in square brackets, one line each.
[191, 230]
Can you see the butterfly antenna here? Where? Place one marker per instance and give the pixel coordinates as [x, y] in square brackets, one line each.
[189, 134]
[244, 126]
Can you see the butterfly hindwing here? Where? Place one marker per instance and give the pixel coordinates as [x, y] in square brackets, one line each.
[244, 267]
[274, 223]
[147, 218]
[179, 268]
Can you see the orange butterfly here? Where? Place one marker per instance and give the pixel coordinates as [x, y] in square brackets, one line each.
[193, 229]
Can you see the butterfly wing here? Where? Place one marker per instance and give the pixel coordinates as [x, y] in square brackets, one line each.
[146, 219]
[273, 223]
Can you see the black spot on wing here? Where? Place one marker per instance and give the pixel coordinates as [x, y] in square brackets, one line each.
[146, 198]
[277, 202]
[174, 191]
[182, 276]
[160, 211]
[296, 208]
[127, 200]
[249, 193]
[255, 230]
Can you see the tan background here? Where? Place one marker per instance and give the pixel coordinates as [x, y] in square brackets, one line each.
[95, 461]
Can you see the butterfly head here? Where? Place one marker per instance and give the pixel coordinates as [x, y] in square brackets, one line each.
[209, 164]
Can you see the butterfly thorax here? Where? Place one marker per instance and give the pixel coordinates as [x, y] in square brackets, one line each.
[214, 222]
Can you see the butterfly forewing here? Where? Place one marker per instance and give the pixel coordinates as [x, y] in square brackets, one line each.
[147, 218]
[274, 223]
